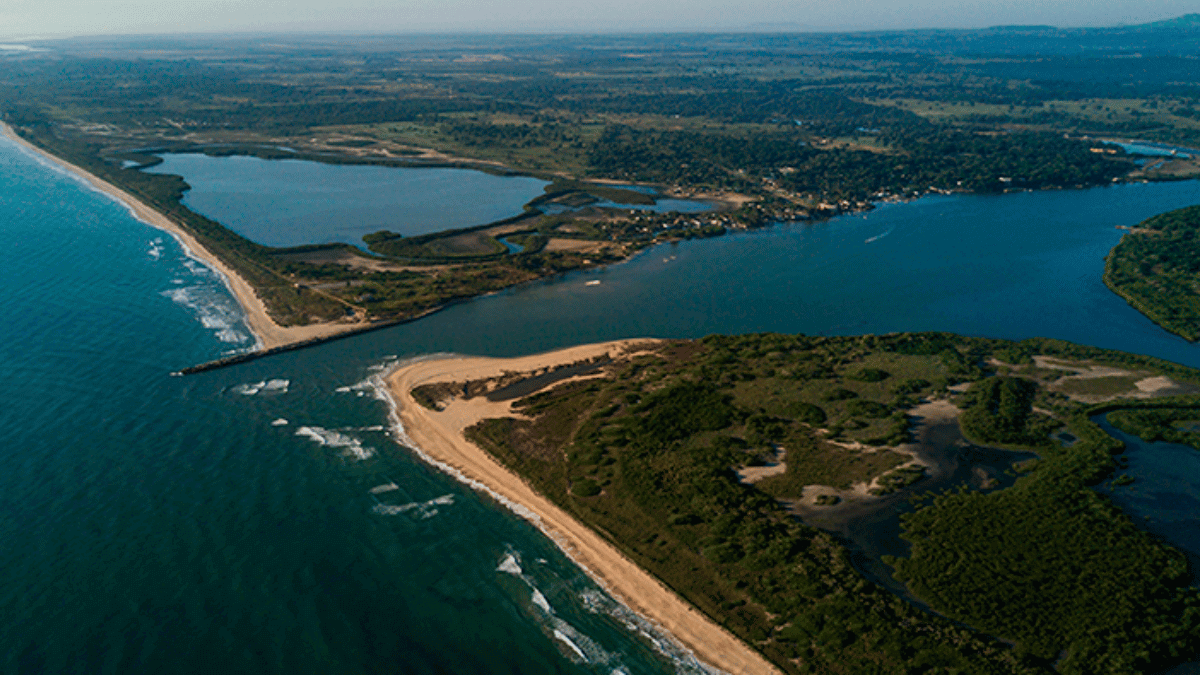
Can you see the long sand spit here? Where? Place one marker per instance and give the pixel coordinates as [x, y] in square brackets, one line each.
[268, 333]
[440, 435]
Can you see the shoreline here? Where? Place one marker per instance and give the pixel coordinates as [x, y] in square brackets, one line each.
[268, 335]
[438, 437]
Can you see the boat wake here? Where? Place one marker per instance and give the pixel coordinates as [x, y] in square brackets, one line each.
[878, 237]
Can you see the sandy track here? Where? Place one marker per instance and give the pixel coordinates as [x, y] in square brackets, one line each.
[440, 435]
[268, 333]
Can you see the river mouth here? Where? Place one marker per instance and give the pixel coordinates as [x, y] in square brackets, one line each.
[870, 527]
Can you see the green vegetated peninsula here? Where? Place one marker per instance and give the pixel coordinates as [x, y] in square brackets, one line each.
[695, 457]
[1156, 267]
[1176, 421]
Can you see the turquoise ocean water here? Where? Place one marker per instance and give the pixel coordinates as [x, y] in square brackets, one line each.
[260, 518]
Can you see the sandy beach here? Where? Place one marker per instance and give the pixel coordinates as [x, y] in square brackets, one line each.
[439, 434]
[268, 333]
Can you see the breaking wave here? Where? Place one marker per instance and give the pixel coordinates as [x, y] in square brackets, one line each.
[352, 447]
[358, 389]
[579, 647]
[422, 509]
[215, 310]
[683, 658]
[510, 565]
[211, 307]
[684, 661]
[264, 387]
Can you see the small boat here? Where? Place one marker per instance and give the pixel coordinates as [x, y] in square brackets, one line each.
[593, 282]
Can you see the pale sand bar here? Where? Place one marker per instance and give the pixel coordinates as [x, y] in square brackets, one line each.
[268, 333]
[439, 434]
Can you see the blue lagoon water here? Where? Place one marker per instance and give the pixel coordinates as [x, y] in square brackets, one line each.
[261, 519]
[294, 202]
[1013, 266]
[1165, 494]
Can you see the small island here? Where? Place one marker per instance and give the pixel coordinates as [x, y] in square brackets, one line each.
[698, 460]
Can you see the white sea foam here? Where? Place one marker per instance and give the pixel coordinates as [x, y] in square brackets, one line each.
[541, 601]
[213, 304]
[584, 647]
[510, 565]
[249, 389]
[216, 311]
[155, 251]
[263, 387]
[386, 487]
[567, 641]
[423, 509]
[281, 422]
[334, 439]
[198, 267]
[363, 388]
[684, 660]
[280, 386]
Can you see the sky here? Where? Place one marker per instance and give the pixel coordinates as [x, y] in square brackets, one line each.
[53, 18]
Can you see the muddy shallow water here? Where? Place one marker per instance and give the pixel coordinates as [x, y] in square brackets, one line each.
[870, 526]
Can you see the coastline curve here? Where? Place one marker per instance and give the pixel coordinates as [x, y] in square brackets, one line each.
[268, 334]
[437, 439]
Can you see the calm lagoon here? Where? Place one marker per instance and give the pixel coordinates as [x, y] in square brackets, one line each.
[293, 202]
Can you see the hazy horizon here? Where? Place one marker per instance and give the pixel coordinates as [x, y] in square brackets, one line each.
[28, 20]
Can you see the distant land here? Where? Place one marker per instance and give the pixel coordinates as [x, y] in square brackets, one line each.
[1185, 21]
[840, 123]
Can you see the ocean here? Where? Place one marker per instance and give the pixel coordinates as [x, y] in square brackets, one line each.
[262, 519]
[257, 520]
